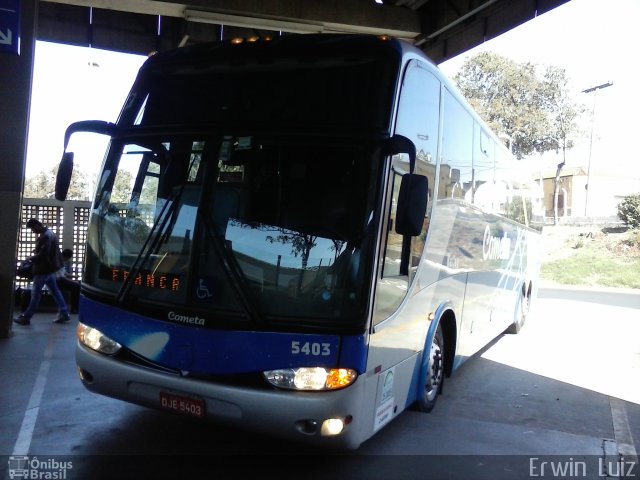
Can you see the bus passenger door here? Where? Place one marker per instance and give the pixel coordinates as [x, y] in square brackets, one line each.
[418, 113]
[400, 325]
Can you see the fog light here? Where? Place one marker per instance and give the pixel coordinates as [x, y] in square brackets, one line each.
[84, 375]
[332, 426]
[96, 340]
[308, 427]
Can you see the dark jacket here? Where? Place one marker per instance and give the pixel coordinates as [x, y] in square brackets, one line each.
[47, 257]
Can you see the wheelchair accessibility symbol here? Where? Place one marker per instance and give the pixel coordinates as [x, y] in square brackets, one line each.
[204, 290]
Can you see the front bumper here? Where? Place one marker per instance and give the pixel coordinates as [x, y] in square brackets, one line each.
[285, 414]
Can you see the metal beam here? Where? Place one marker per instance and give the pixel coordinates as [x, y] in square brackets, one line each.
[354, 16]
[448, 32]
[148, 7]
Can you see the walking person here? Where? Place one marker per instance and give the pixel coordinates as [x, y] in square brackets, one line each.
[47, 260]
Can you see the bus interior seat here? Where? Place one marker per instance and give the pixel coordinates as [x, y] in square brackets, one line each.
[228, 203]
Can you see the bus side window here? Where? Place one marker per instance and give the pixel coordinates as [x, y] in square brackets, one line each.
[513, 197]
[418, 114]
[393, 249]
[483, 169]
[456, 172]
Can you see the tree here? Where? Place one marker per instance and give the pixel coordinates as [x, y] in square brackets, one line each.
[508, 96]
[40, 186]
[536, 112]
[43, 185]
[562, 115]
[629, 210]
[121, 191]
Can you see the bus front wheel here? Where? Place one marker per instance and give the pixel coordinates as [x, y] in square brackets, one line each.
[434, 378]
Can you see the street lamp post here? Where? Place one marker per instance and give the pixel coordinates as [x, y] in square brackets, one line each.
[593, 117]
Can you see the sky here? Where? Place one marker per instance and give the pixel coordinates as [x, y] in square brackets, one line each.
[595, 41]
[72, 84]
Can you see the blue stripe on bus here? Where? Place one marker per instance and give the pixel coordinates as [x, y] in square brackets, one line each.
[219, 352]
[354, 352]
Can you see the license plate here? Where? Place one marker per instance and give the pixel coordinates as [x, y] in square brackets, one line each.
[193, 407]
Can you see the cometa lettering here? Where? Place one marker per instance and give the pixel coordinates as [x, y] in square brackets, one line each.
[495, 248]
[175, 317]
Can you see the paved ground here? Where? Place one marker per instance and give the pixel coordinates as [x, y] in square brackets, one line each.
[565, 390]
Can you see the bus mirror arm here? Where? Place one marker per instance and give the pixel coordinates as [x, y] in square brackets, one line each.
[401, 144]
[90, 126]
[65, 170]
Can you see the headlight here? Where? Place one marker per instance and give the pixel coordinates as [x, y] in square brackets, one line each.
[314, 378]
[96, 340]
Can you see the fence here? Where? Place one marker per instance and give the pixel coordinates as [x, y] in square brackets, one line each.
[68, 220]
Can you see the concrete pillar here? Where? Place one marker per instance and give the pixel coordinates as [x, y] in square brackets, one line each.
[16, 73]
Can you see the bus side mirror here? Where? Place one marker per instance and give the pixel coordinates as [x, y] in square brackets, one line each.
[412, 204]
[65, 170]
[63, 178]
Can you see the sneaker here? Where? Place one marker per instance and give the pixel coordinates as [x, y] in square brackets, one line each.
[22, 320]
[62, 318]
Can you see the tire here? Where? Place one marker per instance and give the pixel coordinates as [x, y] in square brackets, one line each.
[434, 378]
[522, 310]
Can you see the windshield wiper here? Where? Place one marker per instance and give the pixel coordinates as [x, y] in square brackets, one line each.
[232, 269]
[155, 238]
[159, 233]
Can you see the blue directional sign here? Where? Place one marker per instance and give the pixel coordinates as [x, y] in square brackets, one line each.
[10, 26]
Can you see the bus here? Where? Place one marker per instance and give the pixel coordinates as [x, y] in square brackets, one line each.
[300, 236]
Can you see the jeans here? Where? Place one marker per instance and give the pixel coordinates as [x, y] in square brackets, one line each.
[73, 287]
[39, 281]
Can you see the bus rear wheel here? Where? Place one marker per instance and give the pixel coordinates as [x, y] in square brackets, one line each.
[434, 378]
[522, 310]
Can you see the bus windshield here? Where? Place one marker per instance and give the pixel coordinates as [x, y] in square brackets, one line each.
[338, 90]
[257, 228]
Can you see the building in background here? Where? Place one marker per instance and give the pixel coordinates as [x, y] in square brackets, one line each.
[606, 191]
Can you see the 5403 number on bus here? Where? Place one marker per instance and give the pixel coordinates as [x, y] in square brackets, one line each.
[310, 348]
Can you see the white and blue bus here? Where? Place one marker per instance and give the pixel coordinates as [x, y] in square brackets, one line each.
[302, 236]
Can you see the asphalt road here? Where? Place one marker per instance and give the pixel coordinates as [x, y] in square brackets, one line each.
[563, 396]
